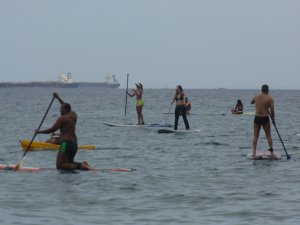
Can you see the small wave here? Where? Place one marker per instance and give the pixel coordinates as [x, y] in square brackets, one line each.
[215, 143]
[111, 148]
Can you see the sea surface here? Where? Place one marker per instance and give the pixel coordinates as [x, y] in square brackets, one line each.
[191, 178]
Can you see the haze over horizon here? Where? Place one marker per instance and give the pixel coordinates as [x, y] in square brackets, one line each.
[199, 44]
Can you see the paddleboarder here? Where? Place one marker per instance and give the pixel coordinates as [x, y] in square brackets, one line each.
[239, 108]
[66, 123]
[264, 105]
[138, 92]
[180, 108]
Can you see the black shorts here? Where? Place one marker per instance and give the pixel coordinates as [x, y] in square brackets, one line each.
[69, 150]
[261, 120]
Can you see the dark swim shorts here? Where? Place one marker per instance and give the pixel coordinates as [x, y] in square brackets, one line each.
[261, 120]
[69, 150]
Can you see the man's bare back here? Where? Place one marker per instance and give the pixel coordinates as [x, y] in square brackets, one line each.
[263, 102]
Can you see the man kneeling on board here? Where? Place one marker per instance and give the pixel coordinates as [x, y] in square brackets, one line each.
[66, 123]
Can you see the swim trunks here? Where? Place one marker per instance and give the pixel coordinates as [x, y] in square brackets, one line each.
[261, 120]
[69, 150]
[139, 102]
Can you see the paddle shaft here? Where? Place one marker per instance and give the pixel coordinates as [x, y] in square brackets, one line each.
[287, 155]
[126, 95]
[168, 114]
[28, 147]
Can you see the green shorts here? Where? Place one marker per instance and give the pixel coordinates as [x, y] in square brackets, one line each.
[69, 149]
[140, 102]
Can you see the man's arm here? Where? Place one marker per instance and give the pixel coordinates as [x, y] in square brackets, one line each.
[55, 95]
[272, 109]
[54, 128]
[253, 100]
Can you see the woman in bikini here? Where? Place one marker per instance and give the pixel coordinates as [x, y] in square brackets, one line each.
[180, 107]
[138, 92]
[239, 108]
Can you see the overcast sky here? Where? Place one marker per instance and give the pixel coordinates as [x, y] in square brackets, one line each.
[160, 43]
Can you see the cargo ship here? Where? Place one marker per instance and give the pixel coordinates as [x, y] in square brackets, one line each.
[65, 81]
[110, 82]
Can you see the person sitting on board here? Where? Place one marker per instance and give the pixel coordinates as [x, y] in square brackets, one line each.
[138, 92]
[54, 139]
[66, 123]
[188, 105]
[239, 108]
[263, 103]
[180, 108]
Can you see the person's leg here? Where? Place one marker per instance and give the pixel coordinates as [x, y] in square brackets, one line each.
[267, 129]
[177, 112]
[66, 155]
[142, 117]
[138, 114]
[256, 129]
[186, 123]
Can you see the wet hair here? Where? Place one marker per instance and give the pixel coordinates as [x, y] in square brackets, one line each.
[239, 102]
[180, 88]
[141, 86]
[265, 89]
[67, 106]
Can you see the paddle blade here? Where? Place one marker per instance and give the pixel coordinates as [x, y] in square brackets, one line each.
[288, 157]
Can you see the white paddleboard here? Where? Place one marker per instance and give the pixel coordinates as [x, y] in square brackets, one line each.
[122, 125]
[248, 113]
[167, 131]
[38, 169]
[244, 113]
[159, 125]
[264, 155]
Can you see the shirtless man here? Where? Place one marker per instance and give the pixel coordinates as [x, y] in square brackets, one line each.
[263, 102]
[66, 123]
[138, 92]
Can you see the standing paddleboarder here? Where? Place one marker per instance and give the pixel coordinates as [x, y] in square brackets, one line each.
[263, 103]
[138, 92]
[180, 107]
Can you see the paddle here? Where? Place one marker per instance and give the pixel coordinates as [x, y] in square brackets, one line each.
[168, 114]
[28, 147]
[126, 95]
[288, 157]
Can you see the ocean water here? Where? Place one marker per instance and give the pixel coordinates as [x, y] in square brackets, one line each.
[191, 178]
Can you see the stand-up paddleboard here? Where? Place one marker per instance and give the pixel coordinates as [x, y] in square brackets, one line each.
[248, 113]
[244, 113]
[136, 125]
[122, 125]
[38, 169]
[21, 169]
[159, 125]
[170, 131]
[180, 114]
[264, 155]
